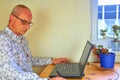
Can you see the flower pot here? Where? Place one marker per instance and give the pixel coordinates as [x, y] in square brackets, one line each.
[107, 60]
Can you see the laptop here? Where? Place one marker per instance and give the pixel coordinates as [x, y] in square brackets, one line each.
[73, 70]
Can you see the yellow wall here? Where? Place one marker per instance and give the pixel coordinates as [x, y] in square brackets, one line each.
[61, 27]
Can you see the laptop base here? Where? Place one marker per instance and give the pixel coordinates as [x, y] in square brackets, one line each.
[75, 77]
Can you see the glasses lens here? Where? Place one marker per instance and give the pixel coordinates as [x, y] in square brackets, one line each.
[24, 22]
[30, 23]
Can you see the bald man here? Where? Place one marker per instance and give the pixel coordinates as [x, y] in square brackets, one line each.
[16, 60]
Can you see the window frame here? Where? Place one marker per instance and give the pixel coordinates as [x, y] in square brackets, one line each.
[94, 28]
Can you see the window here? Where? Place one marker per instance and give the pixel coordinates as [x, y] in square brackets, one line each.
[105, 14]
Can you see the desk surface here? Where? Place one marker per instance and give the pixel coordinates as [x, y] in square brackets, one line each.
[93, 71]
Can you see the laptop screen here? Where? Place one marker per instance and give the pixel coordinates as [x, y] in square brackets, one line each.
[73, 70]
[85, 54]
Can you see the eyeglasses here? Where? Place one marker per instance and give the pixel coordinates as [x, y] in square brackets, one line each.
[24, 22]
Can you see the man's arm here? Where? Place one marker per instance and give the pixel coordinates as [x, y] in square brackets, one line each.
[39, 61]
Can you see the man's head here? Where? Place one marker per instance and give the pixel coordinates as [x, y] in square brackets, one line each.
[20, 19]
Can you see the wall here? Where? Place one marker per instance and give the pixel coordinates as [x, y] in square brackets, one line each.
[61, 27]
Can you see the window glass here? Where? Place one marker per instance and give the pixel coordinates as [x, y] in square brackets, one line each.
[100, 12]
[105, 14]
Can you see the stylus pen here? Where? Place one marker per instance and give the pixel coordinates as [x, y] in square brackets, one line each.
[59, 74]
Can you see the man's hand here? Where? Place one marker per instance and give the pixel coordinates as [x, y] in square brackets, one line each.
[58, 78]
[60, 60]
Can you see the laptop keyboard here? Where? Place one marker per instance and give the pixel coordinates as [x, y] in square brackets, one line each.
[70, 69]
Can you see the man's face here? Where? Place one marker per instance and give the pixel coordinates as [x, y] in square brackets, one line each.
[21, 23]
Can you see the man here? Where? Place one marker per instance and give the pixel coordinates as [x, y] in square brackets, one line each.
[16, 60]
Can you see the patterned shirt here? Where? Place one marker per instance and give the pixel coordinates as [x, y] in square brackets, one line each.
[16, 60]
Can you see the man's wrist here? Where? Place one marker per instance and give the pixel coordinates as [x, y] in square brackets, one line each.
[48, 79]
[51, 58]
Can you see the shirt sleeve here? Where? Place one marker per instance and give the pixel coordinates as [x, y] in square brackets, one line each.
[9, 70]
[39, 61]
[35, 61]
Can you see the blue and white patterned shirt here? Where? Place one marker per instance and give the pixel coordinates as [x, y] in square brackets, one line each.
[16, 60]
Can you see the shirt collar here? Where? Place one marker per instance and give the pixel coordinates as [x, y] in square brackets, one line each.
[13, 35]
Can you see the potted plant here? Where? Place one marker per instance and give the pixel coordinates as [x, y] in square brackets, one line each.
[116, 31]
[115, 42]
[107, 59]
[103, 33]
